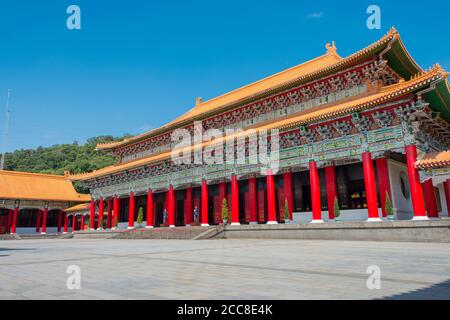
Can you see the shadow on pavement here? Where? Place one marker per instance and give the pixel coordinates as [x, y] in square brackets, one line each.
[438, 291]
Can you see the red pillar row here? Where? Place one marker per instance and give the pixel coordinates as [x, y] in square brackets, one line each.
[205, 205]
[101, 209]
[131, 211]
[110, 210]
[10, 217]
[430, 199]
[74, 222]
[149, 209]
[234, 200]
[315, 192]
[330, 178]
[253, 199]
[384, 184]
[370, 185]
[38, 221]
[414, 183]
[66, 222]
[116, 211]
[188, 207]
[92, 214]
[171, 206]
[44, 221]
[271, 207]
[447, 195]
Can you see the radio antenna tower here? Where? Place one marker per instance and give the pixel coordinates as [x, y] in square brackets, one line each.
[6, 130]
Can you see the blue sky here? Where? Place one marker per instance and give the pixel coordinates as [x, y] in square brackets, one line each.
[135, 65]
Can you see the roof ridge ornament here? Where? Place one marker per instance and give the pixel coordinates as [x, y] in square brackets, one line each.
[198, 101]
[331, 48]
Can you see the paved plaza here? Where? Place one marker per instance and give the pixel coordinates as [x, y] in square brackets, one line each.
[222, 269]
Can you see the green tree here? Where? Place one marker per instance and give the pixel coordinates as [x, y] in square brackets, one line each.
[286, 210]
[388, 206]
[224, 209]
[337, 211]
[59, 158]
[140, 216]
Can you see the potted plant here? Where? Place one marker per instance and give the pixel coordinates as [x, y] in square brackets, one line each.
[224, 211]
[140, 217]
[388, 207]
[286, 212]
[337, 211]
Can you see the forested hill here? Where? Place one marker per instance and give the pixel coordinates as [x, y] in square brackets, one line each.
[56, 159]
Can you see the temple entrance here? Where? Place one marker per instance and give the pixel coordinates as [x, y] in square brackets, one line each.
[179, 213]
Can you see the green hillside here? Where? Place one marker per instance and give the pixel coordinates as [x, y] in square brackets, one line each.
[58, 158]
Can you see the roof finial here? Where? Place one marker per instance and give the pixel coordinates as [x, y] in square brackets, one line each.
[331, 48]
[198, 101]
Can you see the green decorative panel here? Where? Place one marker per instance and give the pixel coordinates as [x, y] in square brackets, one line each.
[384, 134]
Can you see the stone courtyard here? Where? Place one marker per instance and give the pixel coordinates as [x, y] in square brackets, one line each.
[222, 269]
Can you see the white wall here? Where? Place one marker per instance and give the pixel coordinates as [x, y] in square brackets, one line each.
[444, 211]
[403, 209]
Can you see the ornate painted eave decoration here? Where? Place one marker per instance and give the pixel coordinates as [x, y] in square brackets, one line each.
[327, 112]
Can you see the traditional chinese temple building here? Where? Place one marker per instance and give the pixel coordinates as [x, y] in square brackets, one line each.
[351, 130]
[31, 202]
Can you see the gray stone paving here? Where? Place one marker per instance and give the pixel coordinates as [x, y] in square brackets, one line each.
[222, 269]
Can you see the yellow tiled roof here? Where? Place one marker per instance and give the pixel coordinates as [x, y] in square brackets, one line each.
[434, 160]
[33, 186]
[321, 113]
[78, 208]
[306, 71]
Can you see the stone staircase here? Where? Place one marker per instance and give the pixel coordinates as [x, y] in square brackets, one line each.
[178, 233]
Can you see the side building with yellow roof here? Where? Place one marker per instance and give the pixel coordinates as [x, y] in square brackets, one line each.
[349, 129]
[36, 203]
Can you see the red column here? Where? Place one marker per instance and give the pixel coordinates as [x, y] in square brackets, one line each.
[330, 178]
[253, 198]
[66, 222]
[131, 211]
[82, 222]
[384, 184]
[414, 184]
[44, 221]
[271, 207]
[171, 206]
[205, 206]
[116, 211]
[287, 182]
[101, 210]
[149, 209]
[315, 192]
[14, 220]
[447, 195]
[10, 216]
[92, 215]
[234, 200]
[59, 220]
[38, 220]
[371, 191]
[74, 222]
[430, 199]
[188, 207]
[110, 210]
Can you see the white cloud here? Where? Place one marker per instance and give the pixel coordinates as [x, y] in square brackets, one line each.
[315, 15]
